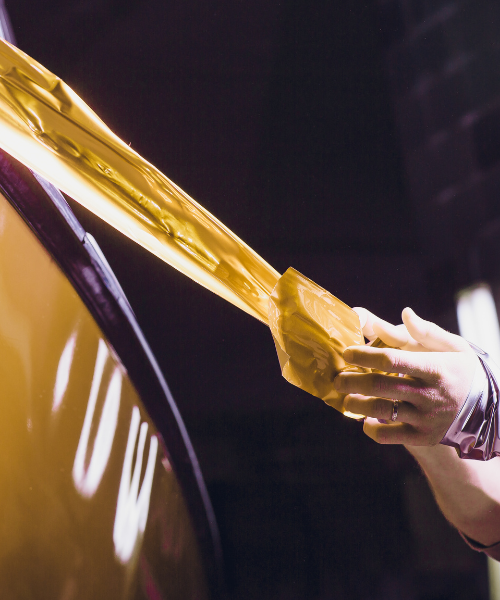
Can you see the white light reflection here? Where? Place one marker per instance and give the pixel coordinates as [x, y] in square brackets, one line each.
[62, 376]
[87, 480]
[133, 506]
[478, 320]
[478, 323]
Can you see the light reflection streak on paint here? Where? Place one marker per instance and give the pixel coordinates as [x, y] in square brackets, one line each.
[133, 506]
[87, 481]
[63, 369]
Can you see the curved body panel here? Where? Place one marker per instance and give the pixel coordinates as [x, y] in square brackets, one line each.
[101, 495]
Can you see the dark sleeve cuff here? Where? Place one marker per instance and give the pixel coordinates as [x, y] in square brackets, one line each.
[475, 432]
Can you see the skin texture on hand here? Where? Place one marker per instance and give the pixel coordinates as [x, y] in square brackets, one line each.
[438, 377]
[437, 369]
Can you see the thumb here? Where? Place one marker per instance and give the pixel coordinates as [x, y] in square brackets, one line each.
[374, 327]
[431, 336]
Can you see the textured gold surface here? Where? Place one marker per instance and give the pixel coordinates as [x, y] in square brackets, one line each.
[311, 330]
[60, 537]
[46, 126]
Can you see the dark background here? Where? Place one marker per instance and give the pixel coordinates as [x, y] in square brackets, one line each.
[354, 141]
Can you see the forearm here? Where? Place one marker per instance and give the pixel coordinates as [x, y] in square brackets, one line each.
[467, 491]
[449, 394]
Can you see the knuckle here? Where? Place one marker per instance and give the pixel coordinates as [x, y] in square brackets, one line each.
[434, 370]
[431, 400]
[395, 361]
[388, 361]
[377, 384]
[382, 386]
[379, 407]
[430, 329]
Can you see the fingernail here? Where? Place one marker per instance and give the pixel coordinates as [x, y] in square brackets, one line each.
[348, 355]
[338, 382]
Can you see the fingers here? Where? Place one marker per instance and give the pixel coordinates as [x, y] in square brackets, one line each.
[398, 433]
[381, 386]
[396, 336]
[431, 336]
[364, 316]
[438, 368]
[390, 360]
[392, 335]
[381, 408]
[415, 335]
[374, 327]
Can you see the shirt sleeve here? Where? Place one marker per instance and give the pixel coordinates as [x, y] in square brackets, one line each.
[475, 432]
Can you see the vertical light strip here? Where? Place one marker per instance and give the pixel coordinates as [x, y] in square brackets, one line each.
[494, 579]
[62, 375]
[87, 479]
[478, 320]
[133, 505]
[478, 323]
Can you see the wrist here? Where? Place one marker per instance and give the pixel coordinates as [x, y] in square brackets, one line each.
[466, 491]
[429, 456]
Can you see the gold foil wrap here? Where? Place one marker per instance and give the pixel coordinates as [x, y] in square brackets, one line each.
[311, 329]
[47, 127]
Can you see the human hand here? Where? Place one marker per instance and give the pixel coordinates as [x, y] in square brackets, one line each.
[437, 369]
